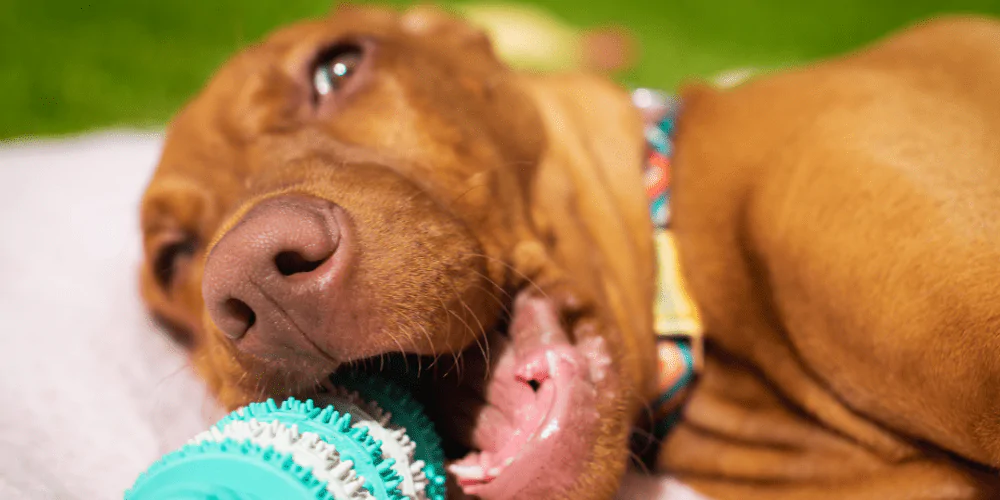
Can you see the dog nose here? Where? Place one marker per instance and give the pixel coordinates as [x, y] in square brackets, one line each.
[264, 275]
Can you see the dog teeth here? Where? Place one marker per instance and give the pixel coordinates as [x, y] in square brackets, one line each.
[473, 472]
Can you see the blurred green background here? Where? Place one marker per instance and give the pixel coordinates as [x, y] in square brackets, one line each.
[71, 65]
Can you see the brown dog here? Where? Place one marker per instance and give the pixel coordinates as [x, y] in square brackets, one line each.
[379, 183]
[838, 225]
[376, 183]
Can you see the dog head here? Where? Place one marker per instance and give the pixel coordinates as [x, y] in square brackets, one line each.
[378, 185]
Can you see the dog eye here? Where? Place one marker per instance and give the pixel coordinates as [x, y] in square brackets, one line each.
[171, 255]
[334, 67]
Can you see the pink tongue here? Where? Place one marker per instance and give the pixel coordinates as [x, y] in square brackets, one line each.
[533, 438]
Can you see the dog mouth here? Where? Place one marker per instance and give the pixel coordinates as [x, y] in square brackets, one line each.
[516, 411]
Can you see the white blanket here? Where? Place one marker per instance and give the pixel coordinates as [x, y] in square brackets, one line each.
[92, 392]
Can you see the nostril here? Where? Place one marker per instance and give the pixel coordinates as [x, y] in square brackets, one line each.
[290, 263]
[243, 314]
[272, 270]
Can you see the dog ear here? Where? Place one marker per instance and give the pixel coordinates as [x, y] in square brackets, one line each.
[593, 135]
[588, 210]
[590, 170]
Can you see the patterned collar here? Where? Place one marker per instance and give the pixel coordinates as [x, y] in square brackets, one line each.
[677, 325]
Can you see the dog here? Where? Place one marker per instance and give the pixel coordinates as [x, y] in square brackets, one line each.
[377, 184]
[835, 223]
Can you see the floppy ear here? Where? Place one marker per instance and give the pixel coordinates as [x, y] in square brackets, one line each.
[588, 205]
[594, 139]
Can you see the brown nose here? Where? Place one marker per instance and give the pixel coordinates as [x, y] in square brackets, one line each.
[263, 278]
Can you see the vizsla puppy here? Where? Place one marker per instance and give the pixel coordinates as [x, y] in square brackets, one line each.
[378, 186]
[377, 183]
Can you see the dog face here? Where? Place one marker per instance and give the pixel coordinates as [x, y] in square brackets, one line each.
[364, 187]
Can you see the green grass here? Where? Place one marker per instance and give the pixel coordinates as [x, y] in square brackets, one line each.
[71, 65]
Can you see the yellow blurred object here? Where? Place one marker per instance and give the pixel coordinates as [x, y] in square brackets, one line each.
[530, 38]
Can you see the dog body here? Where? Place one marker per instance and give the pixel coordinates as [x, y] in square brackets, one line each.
[379, 183]
[837, 224]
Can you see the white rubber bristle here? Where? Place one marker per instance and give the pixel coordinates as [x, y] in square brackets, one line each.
[396, 444]
[306, 449]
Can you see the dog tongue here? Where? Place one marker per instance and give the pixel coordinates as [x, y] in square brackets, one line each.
[536, 428]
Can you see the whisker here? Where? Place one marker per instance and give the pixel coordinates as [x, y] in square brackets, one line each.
[426, 334]
[402, 351]
[512, 269]
[457, 355]
[468, 327]
[639, 462]
[495, 285]
[445, 308]
[483, 185]
[485, 350]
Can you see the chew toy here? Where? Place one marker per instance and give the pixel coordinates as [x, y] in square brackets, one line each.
[365, 439]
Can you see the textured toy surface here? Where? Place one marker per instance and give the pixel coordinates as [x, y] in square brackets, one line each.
[363, 439]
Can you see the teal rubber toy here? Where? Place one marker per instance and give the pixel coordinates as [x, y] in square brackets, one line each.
[364, 439]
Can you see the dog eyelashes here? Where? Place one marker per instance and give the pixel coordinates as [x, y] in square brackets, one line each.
[333, 67]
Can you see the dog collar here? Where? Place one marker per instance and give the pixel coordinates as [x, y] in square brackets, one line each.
[676, 323]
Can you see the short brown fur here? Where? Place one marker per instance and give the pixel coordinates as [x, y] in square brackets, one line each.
[836, 224]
